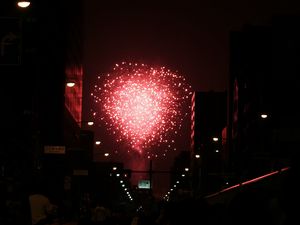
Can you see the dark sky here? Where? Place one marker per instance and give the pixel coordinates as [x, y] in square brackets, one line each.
[190, 38]
[187, 37]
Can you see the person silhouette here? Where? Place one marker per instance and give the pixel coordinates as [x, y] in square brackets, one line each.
[42, 210]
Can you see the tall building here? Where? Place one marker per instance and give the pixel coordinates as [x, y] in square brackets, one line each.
[41, 50]
[263, 126]
[209, 115]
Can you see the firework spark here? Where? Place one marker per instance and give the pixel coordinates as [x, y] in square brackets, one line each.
[142, 105]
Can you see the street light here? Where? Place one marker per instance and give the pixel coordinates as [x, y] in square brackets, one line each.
[90, 123]
[215, 139]
[70, 84]
[23, 4]
[264, 116]
[86, 122]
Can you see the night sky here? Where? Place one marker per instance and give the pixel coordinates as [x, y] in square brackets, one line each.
[190, 38]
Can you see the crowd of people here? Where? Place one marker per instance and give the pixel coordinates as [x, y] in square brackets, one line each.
[248, 205]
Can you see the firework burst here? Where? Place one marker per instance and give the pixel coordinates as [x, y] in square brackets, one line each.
[142, 106]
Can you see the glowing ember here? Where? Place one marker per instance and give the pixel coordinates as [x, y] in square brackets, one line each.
[141, 105]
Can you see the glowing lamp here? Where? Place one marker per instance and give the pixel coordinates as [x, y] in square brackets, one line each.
[70, 84]
[23, 4]
[264, 116]
[215, 139]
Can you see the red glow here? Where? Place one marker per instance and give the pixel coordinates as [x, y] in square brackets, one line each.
[250, 181]
[73, 96]
[141, 105]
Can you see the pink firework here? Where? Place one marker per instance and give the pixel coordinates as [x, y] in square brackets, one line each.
[142, 105]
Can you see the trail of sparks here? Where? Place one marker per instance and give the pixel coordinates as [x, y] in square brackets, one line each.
[141, 105]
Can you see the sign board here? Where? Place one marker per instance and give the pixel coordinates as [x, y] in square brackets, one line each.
[54, 149]
[10, 41]
[144, 184]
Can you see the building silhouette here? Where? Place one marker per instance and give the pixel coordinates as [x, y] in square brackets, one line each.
[209, 111]
[45, 136]
[263, 80]
[256, 120]
[41, 118]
